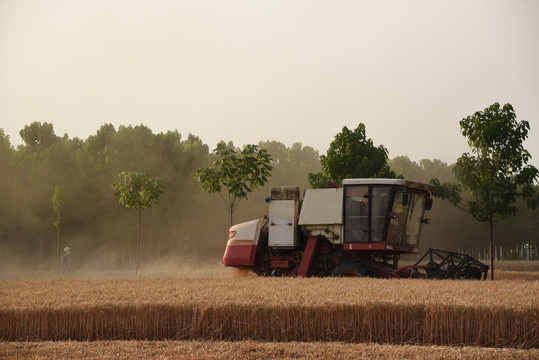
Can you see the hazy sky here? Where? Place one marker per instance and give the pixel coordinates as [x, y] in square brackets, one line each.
[291, 71]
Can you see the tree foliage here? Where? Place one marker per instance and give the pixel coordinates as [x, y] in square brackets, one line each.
[447, 191]
[188, 222]
[138, 191]
[495, 173]
[38, 135]
[59, 198]
[352, 155]
[291, 164]
[8, 170]
[235, 173]
[95, 225]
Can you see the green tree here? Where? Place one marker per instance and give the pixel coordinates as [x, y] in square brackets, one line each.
[139, 192]
[408, 168]
[235, 173]
[6, 150]
[38, 135]
[352, 155]
[59, 198]
[7, 183]
[496, 173]
[42, 162]
[291, 164]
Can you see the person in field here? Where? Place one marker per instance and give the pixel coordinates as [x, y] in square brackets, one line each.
[66, 266]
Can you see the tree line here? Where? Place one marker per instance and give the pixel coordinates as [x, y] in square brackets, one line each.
[188, 222]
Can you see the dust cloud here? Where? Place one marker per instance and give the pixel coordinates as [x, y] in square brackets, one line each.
[13, 268]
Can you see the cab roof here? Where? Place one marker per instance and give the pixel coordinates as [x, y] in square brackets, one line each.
[410, 184]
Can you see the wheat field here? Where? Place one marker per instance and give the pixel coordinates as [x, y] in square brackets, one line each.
[430, 312]
[249, 350]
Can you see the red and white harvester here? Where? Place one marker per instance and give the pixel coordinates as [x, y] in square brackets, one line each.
[360, 229]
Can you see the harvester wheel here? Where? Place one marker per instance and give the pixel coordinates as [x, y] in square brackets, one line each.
[473, 272]
[297, 256]
[353, 268]
[453, 272]
[325, 247]
[433, 270]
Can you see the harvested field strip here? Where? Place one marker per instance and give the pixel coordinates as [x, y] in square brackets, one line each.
[345, 310]
[212, 350]
[517, 275]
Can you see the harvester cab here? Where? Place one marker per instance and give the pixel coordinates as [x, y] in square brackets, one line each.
[360, 229]
[369, 214]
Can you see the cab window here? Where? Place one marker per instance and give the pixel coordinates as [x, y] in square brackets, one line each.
[366, 212]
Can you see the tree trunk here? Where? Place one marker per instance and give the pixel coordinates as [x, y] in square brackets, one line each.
[138, 245]
[41, 249]
[231, 208]
[58, 246]
[491, 223]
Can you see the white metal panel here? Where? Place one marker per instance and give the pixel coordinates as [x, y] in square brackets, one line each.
[399, 182]
[322, 206]
[282, 223]
[246, 231]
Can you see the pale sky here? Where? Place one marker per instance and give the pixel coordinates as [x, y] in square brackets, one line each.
[291, 71]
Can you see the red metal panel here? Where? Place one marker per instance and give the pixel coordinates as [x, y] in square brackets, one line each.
[383, 246]
[239, 255]
[364, 246]
[284, 264]
[307, 258]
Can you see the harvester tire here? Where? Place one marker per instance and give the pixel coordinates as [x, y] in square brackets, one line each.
[353, 268]
[473, 272]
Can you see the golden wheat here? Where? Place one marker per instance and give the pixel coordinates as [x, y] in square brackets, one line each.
[517, 275]
[516, 265]
[477, 313]
[189, 350]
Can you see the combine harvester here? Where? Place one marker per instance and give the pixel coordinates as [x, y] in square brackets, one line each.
[358, 230]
